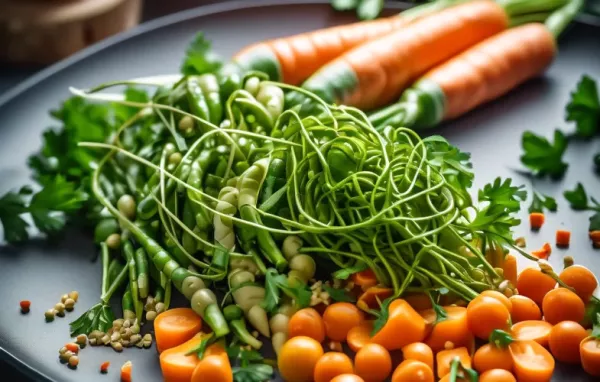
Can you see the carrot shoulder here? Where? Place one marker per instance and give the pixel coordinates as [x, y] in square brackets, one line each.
[175, 326]
[404, 326]
[214, 367]
[383, 67]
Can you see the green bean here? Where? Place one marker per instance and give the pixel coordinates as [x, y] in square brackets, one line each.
[189, 219]
[249, 296]
[127, 304]
[104, 229]
[128, 252]
[141, 262]
[114, 268]
[249, 185]
[234, 315]
[188, 283]
[196, 99]
[210, 88]
[223, 227]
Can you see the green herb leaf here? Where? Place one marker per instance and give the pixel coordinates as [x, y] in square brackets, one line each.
[237, 352]
[382, 315]
[200, 58]
[344, 273]
[500, 338]
[202, 346]
[12, 205]
[276, 283]
[98, 317]
[584, 108]
[541, 202]
[577, 198]
[257, 372]
[594, 222]
[543, 157]
[338, 295]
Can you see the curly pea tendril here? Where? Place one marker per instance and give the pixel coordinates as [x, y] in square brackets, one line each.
[353, 194]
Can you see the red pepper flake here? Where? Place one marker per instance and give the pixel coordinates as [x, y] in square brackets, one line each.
[25, 305]
[543, 253]
[104, 367]
[72, 347]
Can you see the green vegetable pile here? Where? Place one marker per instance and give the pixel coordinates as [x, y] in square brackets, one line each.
[213, 186]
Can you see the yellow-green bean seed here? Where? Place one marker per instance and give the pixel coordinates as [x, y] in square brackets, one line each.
[49, 314]
[287, 309]
[126, 334]
[64, 298]
[60, 314]
[128, 315]
[186, 123]
[134, 339]
[139, 345]
[62, 350]
[93, 341]
[160, 307]
[105, 339]
[74, 295]
[305, 265]
[150, 316]
[126, 205]
[113, 241]
[126, 323]
[81, 339]
[69, 304]
[291, 246]
[568, 261]
[115, 336]
[66, 355]
[278, 339]
[125, 343]
[118, 323]
[96, 334]
[175, 158]
[478, 274]
[135, 328]
[59, 307]
[296, 278]
[73, 361]
[117, 346]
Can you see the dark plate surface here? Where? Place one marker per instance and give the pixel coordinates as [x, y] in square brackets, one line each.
[42, 272]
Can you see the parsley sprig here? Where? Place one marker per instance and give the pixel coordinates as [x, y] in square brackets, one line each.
[584, 108]
[46, 207]
[275, 284]
[578, 199]
[541, 202]
[543, 157]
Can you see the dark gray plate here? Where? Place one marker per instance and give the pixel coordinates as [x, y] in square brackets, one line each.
[42, 272]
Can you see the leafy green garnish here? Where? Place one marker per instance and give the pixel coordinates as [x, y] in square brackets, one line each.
[344, 273]
[203, 345]
[99, 317]
[542, 157]
[47, 208]
[495, 218]
[440, 312]
[584, 108]
[338, 295]
[541, 202]
[382, 315]
[276, 283]
[200, 58]
[578, 199]
[248, 371]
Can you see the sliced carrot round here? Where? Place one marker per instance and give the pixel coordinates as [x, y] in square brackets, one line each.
[175, 326]
[532, 330]
[589, 349]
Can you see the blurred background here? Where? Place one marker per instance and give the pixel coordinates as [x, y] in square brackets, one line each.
[37, 33]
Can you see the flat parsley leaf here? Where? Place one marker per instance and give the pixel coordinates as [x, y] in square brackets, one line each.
[344, 273]
[200, 58]
[276, 283]
[584, 108]
[382, 315]
[12, 205]
[338, 295]
[256, 372]
[541, 202]
[543, 157]
[577, 197]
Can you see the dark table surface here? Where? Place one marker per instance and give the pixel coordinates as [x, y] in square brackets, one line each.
[11, 76]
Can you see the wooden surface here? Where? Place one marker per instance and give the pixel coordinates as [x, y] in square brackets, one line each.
[46, 31]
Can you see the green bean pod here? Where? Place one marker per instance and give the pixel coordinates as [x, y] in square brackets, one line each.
[128, 305]
[249, 184]
[272, 98]
[141, 263]
[104, 229]
[235, 317]
[210, 88]
[204, 163]
[229, 83]
[188, 242]
[133, 286]
[249, 296]
[197, 102]
[223, 226]
[114, 268]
